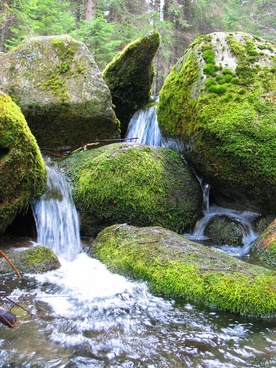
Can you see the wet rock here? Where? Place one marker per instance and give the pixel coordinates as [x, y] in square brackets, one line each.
[223, 230]
[36, 259]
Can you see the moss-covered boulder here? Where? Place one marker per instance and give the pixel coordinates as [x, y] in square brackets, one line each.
[264, 248]
[36, 259]
[222, 229]
[129, 77]
[60, 90]
[22, 168]
[173, 265]
[133, 183]
[219, 102]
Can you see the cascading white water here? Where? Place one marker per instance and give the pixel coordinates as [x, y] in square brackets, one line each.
[144, 126]
[56, 217]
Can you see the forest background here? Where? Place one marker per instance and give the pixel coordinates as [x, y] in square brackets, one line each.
[107, 26]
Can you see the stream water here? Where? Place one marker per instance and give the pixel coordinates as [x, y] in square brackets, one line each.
[82, 315]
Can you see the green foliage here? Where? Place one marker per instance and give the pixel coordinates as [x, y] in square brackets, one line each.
[98, 35]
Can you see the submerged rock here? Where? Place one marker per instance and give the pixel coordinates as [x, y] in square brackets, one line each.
[60, 90]
[133, 183]
[22, 168]
[129, 77]
[264, 248]
[175, 266]
[36, 259]
[219, 102]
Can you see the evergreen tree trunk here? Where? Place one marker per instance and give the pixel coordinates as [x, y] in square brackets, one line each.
[90, 9]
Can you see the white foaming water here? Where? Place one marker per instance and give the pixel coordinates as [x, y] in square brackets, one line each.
[144, 126]
[56, 217]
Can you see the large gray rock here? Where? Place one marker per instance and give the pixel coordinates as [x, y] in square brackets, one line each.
[219, 103]
[60, 90]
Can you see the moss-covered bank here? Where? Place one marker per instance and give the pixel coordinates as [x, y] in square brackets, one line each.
[129, 77]
[133, 183]
[22, 168]
[220, 100]
[175, 266]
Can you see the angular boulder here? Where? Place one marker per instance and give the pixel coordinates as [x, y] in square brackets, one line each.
[264, 248]
[175, 266]
[133, 183]
[22, 168]
[129, 77]
[219, 103]
[60, 90]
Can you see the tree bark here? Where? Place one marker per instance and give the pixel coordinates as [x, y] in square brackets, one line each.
[90, 9]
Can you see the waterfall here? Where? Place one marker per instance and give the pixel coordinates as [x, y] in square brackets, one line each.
[56, 217]
[144, 126]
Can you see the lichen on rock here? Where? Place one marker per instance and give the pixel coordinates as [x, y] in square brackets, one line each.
[22, 168]
[60, 90]
[133, 183]
[219, 100]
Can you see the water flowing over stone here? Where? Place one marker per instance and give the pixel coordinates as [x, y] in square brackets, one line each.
[144, 126]
[56, 217]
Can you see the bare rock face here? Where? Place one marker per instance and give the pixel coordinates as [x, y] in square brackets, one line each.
[219, 103]
[60, 90]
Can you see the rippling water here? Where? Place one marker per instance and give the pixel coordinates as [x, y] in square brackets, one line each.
[85, 316]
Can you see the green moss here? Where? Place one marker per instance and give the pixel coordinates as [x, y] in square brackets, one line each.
[22, 169]
[145, 186]
[129, 77]
[174, 266]
[226, 115]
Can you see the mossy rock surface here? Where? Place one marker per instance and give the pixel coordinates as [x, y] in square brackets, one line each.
[36, 259]
[133, 183]
[60, 90]
[264, 248]
[219, 102]
[22, 168]
[129, 77]
[173, 265]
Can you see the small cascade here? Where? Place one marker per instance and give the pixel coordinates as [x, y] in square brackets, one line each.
[56, 217]
[144, 126]
[244, 218]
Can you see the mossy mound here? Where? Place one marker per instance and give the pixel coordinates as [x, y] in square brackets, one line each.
[22, 168]
[129, 77]
[172, 265]
[264, 248]
[60, 90]
[32, 260]
[133, 183]
[223, 230]
[219, 100]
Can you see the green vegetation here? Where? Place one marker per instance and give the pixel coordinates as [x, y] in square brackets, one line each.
[229, 114]
[133, 183]
[174, 266]
[22, 169]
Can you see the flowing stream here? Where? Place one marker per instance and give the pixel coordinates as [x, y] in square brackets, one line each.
[82, 315]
